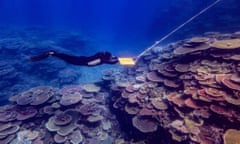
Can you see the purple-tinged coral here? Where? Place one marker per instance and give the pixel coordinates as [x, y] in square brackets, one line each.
[131, 109]
[7, 139]
[35, 96]
[62, 119]
[171, 83]
[27, 135]
[25, 98]
[7, 116]
[4, 126]
[76, 137]
[147, 112]
[235, 78]
[182, 68]
[41, 94]
[186, 50]
[179, 126]
[89, 109]
[159, 104]
[71, 95]
[94, 118]
[26, 113]
[70, 89]
[191, 103]
[10, 130]
[8, 113]
[91, 141]
[70, 99]
[48, 110]
[153, 76]
[144, 124]
[232, 85]
[66, 129]
[59, 139]
[51, 126]
[198, 40]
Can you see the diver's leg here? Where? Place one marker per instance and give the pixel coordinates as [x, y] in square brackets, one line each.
[42, 56]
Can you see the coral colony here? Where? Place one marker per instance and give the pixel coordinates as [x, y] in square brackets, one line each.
[188, 91]
[190, 88]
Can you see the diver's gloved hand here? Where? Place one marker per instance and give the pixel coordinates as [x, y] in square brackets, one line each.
[106, 57]
[51, 52]
[42, 56]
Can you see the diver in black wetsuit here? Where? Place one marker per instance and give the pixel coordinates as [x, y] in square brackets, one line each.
[97, 59]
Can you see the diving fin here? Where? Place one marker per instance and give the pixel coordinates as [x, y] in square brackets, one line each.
[39, 57]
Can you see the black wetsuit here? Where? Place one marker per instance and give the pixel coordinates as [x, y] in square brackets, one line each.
[84, 60]
[97, 59]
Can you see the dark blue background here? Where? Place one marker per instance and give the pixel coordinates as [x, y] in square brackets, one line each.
[120, 26]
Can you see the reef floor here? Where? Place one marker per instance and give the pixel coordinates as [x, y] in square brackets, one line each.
[185, 92]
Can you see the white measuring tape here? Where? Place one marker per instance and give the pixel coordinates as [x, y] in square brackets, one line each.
[176, 29]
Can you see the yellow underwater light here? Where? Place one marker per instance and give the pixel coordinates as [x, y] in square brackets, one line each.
[126, 61]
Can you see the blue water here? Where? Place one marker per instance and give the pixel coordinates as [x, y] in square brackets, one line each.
[124, 28]
[83, 27]
[120, 25]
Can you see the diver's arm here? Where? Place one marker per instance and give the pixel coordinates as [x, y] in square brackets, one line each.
[113, 60]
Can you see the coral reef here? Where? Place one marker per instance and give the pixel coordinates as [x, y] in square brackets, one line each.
[189, 88]
[184, 92]
[45, 114]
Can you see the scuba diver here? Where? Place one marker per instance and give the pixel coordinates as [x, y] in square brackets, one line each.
[94, 60]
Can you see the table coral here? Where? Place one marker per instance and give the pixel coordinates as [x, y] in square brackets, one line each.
[231, 136]
[144, 125]
[226, 44]
[197, 84]
[188, 92]
[91, 88]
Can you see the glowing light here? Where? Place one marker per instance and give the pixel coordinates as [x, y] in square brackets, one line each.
[126, 61]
